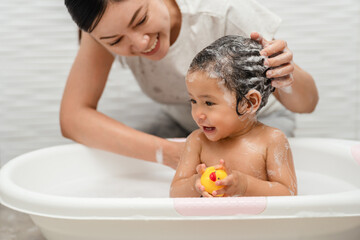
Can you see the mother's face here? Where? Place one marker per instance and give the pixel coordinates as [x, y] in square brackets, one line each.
[135, 28]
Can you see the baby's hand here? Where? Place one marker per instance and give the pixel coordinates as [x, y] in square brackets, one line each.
[200, 169]
[233, 186]
[279, 61]
[221, 165]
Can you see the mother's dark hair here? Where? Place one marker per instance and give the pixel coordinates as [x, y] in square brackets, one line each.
[87, 13]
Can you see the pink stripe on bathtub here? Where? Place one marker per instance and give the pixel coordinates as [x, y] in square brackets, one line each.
[220, 206]
[355, 151]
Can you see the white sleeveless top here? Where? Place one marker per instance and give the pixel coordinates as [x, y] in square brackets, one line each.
[203, 21]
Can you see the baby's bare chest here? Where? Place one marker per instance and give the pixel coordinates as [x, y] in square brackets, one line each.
[247, 158]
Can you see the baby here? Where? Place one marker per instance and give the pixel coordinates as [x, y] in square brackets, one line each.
[227, 86]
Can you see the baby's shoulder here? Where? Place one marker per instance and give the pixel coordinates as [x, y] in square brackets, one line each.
[196, 136]
[273, 135]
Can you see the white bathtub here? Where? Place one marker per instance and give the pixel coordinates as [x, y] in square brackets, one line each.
[76, 193]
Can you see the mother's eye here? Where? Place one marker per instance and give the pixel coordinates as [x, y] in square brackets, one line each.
[116, 41]
[142, 20]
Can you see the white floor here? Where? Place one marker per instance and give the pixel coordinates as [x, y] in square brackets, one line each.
[17, 226]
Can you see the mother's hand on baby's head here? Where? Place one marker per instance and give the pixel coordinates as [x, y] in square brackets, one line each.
[279, 60]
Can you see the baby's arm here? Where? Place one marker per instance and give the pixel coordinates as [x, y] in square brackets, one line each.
[280, 171]
[183, 184]
[279, 167]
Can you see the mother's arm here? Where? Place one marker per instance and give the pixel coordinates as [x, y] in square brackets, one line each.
[81, 122]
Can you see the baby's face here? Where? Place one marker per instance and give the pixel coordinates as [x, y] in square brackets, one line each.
[214, 107]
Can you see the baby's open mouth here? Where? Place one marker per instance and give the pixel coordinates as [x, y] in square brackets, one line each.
[209, 129]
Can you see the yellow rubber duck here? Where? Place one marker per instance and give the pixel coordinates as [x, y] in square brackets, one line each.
[210, 176]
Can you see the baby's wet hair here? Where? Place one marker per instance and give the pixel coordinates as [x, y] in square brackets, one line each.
[238, 62]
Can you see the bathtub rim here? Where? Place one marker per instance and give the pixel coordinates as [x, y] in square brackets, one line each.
[46, 205]
[279, 207]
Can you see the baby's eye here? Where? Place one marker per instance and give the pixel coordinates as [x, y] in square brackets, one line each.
[209, 103]
[192, 101]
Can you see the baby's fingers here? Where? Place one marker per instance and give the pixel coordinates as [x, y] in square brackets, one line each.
[206, 194]
[201, 189]
[200, 169]
[198, 186]
[221, 165]
[220, 192]
[225, 182]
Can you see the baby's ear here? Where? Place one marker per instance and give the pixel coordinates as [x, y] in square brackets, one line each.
[254, 102]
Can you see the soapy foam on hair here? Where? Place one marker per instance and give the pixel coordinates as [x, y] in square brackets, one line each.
[238, 62]
[227, 94]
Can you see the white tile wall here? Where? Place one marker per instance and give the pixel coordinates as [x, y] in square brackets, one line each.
[324, 36]
[38, 42]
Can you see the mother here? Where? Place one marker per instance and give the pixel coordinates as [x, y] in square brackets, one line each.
[157, 40]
